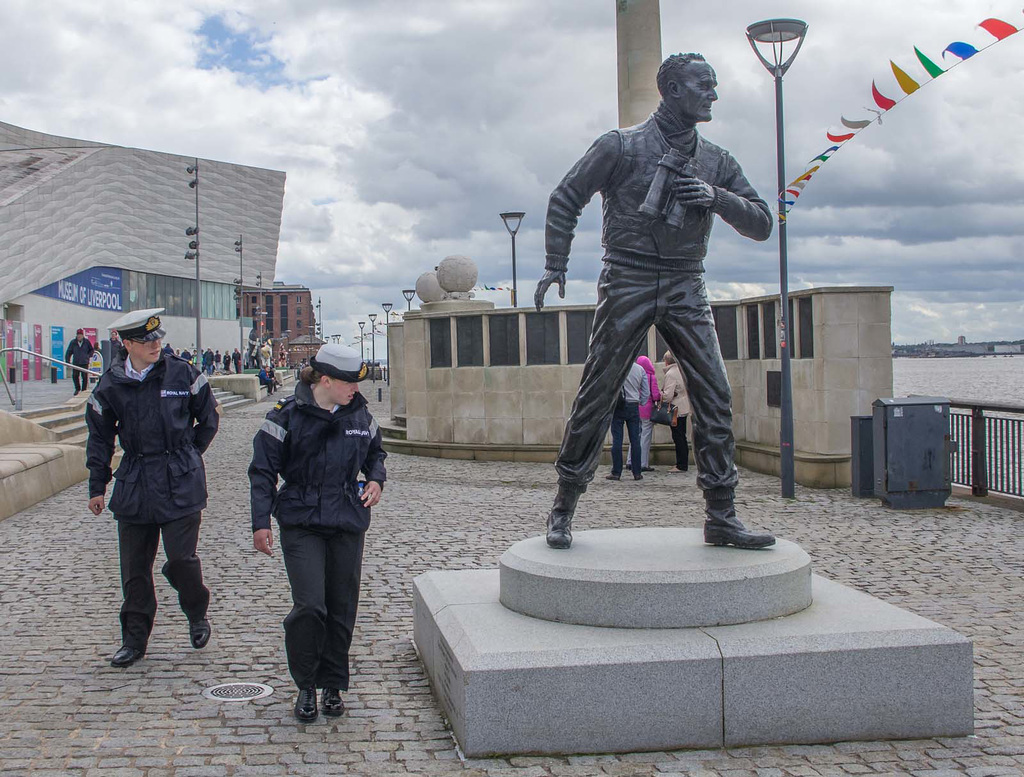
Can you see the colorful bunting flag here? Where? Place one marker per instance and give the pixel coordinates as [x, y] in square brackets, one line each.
[960, 49]
[998, 28]
[907, 84]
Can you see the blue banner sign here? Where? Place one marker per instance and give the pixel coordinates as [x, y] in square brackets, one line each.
[97, 287]
[57, 348]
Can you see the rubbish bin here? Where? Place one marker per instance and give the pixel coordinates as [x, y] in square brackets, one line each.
[862, 464]
[911, 451]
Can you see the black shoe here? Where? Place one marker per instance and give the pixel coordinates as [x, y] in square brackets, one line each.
[199, 633]
[722, 527]
[612, 477]
[648, 469]
[560, 517]
[331, 702]
[638, 476]
[305, 705]
[126, 656]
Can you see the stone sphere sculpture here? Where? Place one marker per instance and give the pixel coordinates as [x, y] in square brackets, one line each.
[428, 289]
[457, 274]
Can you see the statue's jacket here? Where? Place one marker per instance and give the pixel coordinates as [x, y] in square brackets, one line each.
[621, 165]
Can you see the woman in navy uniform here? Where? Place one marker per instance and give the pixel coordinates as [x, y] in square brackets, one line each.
[319, 441]
[164, 413]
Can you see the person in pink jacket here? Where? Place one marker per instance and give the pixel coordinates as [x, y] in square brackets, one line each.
[646, 426]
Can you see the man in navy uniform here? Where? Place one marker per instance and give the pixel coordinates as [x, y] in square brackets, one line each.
[164, 413]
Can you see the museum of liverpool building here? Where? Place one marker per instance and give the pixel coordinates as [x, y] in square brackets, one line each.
[91, 231]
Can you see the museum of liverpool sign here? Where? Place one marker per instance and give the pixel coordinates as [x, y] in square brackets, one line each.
[97, 287]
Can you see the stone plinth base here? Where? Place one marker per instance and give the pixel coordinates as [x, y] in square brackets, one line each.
[653, 579]
[848, 667]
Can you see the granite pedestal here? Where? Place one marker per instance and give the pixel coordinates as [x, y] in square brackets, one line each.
[843, 666]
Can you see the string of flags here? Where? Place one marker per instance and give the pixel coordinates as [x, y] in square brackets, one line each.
[492, 288]
[959, 50]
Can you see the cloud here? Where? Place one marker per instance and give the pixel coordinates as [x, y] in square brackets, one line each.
[405, 128]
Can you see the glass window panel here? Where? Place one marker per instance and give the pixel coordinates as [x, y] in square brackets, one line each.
[504, 340]
[469, 339]
[725, 326]
[806, 328]
[579, 325]
[753, 334]
[769, 329]
[440, 342]
[542, 338]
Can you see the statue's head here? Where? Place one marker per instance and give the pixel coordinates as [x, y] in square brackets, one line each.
[687, 84]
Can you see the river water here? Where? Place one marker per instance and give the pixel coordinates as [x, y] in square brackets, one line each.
[982, 378]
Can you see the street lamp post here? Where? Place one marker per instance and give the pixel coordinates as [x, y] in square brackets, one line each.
[387, 342]
[512, 221]
[373, 345]
[241, 291]
[193, 253]
[320, 319]
[409, 294]
[361, 336]
[777, 33]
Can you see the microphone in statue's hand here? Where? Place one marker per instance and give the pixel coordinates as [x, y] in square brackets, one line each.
[693, 191]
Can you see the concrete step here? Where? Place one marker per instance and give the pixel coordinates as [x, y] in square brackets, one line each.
[66, 433]
[62, 418]
[42, 411]
[237, 401]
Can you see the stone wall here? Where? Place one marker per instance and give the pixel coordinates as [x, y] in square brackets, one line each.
[841, 362]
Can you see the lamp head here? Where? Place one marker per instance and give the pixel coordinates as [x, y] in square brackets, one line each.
[512, 221]
[408, 294]
[777, 33]
[387, 307]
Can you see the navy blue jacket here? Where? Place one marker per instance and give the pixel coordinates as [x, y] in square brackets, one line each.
[319, 455]
[78, 353]
[165, 423]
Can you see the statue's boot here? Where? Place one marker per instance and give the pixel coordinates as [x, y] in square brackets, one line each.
[722, 527]
[560, 517]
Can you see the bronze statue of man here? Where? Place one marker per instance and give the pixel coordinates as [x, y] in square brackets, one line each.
[662, 185]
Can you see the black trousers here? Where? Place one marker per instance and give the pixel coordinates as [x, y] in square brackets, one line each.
[324, 567]
[682, 446]
[628, 414]
[629, 301]
[183, 570]
[80, 379]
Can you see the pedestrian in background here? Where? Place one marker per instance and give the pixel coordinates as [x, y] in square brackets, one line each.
[164, 414]
[216, 361]
[635, 391]
[78, 353]
[319, 440]
[674, 392]
[236, 357]
[646, 425]
[227, 360]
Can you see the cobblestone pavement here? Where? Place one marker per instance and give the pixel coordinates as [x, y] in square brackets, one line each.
[64, 711]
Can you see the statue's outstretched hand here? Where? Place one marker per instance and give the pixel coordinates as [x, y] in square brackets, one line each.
[549, 277]
[693, 191]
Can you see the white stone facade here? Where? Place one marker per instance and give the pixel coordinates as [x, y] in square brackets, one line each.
[68, 205]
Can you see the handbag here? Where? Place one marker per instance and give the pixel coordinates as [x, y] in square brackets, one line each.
[663, 413]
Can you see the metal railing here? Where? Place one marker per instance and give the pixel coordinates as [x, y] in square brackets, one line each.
[19, 385]
[986, 446]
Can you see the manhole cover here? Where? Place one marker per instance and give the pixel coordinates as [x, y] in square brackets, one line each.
[238, 691]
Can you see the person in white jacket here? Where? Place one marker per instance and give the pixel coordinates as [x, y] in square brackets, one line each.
[674, 392]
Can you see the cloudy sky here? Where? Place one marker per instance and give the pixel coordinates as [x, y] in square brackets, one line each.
[405, 127]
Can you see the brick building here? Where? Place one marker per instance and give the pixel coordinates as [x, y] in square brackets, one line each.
[289, 309]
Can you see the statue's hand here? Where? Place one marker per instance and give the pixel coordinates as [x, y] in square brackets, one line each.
[549, 277]
[693, 191]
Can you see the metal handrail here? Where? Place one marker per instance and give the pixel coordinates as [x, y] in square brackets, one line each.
[17, 402]
[988, 449]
